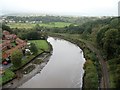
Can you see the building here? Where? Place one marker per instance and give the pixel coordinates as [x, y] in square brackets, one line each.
[7, 47]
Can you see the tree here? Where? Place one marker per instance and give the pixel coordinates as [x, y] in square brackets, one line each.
[114, 23]
[33, 35]
[37, 27]
[5, 27]
[16, 58]
[111, 42]
[118, 76]
[101, 34]
[33, 48]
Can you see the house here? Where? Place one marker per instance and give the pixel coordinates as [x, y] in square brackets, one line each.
[19, 41]
[6, 32]
[5, 55]
[7, 46]
[10, 37]
[9, 52]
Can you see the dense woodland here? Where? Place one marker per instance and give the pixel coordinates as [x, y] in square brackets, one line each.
[104, 32]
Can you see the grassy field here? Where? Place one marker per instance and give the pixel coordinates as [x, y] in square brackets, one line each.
[40, 44]
[30, 25]
[8, 75]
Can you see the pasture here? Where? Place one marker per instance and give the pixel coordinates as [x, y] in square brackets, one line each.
[31, 25]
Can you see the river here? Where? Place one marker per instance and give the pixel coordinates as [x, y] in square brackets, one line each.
[64, 69]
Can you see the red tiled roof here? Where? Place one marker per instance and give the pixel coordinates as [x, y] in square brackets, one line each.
[5, 55]
[11, 36]
[9, 52]
[6, 32]
[21, 43]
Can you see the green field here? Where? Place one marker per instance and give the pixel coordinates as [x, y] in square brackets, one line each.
[40, 44]
[30, 25]
[8, 75]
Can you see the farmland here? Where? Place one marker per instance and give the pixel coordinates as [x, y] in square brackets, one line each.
[31, 25]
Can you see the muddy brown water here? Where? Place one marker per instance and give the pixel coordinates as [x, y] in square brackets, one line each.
[64, 69]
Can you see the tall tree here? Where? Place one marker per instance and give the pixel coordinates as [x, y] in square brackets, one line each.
[111, 42]
[5, 27]
[33, 48]
[37, 27]
[101, 34]
[16, 58]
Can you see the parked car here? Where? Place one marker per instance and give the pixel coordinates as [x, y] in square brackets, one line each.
[5, 63]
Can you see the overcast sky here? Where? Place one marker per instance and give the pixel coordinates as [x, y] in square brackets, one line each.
[61, 7]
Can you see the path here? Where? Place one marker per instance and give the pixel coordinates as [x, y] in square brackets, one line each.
[105, 74]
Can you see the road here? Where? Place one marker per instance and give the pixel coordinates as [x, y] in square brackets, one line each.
[105, 74]
[5, 66]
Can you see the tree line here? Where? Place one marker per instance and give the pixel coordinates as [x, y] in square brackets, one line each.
[47, 19]
[35, 33]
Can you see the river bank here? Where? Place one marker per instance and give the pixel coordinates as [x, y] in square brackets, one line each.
[64, 69]
[23, 77]
[86, 67]
[92, 75]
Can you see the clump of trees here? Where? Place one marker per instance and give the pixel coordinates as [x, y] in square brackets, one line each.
[33, 48]
[7, 28]
[90, 78]
[111, 43]
[31, 35]
[16, 58]
[108, 38]
[35, 33]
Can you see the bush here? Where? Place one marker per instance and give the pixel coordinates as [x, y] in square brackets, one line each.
[28, 69]
[37, 61]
